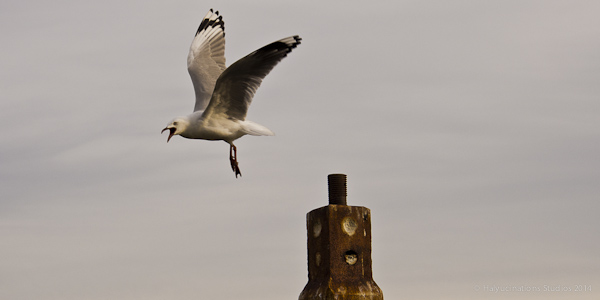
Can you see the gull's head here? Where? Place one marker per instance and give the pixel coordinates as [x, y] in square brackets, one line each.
[176, 126]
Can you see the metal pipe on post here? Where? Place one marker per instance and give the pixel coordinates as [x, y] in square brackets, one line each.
[339, 249]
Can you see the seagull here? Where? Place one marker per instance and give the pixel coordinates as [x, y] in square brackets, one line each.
[224, 94]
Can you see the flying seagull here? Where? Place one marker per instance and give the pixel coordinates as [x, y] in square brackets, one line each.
[224, 94]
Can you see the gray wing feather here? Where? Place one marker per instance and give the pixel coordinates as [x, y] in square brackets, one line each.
[206, 59]
[236, 86]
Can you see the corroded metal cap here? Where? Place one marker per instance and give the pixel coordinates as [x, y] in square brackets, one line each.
[339, 249]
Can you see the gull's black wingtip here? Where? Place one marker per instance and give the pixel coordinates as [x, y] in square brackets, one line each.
[211, 20]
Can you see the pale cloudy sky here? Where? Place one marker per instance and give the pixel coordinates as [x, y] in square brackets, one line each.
[470, 128]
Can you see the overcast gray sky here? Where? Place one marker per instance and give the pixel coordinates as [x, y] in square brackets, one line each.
[471, 129]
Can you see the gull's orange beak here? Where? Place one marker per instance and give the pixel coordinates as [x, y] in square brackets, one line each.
[171, 132]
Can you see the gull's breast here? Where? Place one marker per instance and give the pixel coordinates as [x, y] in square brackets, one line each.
[222, 129]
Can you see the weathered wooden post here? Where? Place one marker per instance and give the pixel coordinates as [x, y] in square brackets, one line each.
[339, 249]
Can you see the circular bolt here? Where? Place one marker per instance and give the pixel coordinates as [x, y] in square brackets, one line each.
[349, 225]
[351, 257]
[317, 228]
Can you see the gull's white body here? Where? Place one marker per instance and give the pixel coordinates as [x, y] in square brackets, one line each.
[196, 126]
[223, 95]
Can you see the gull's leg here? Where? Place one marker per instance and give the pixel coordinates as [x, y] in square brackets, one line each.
[233, 160]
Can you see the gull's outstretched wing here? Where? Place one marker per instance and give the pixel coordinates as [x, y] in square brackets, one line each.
[237, 84]
[206, 60]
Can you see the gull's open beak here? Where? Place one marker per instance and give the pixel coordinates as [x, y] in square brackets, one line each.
[171, 132]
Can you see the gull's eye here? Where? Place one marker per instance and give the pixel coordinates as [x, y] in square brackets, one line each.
[175, 123]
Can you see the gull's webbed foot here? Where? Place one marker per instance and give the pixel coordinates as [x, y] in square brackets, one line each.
[235, 167]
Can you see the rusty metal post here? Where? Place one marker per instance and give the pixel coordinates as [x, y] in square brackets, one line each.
[339, 249]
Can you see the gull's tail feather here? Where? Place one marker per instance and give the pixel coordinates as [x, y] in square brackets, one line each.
[252, 128]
